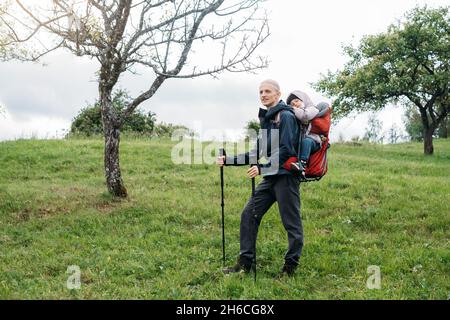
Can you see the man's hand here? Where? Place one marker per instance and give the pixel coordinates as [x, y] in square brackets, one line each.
[253, 172]
[220, 161]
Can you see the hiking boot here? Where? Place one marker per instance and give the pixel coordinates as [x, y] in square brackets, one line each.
[296, 167]
[287, 270]
[299, 167]
[242, 265]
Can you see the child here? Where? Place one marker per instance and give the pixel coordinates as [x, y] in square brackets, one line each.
[306, 111]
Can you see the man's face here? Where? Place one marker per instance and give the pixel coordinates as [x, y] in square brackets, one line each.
[268, 95]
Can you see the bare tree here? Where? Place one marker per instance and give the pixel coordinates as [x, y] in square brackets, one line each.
[3, 33]
[157, 34]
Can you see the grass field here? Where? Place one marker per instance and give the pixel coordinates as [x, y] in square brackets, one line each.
[387, 206]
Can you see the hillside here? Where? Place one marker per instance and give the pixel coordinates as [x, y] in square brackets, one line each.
[379, 205]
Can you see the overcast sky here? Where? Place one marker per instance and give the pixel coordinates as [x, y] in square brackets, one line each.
[306, 39]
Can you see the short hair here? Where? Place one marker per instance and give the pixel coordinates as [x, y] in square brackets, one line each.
[271, 83]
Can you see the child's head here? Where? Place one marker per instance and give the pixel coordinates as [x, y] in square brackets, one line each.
[299, 99]
[296, 103]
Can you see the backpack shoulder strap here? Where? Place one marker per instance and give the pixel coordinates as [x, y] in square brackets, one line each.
[277, 118]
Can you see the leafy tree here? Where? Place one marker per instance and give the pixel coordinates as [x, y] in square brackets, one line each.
[252, 127]
[413, 123]
[414, 128]
[407, 64]
[159, 36]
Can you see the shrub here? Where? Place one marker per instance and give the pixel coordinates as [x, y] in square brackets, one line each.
[89, 120]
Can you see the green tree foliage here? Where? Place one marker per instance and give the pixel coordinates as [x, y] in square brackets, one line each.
[407, 64]
[168, 129]
[413, 123]
[251, 130]
[89, 120]
[414, 128]
[252, 127]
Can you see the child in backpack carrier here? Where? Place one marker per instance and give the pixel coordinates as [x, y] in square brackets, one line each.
[316, 121]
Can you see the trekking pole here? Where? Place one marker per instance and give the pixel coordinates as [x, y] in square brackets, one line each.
[255, 222]
[255, 226]
[222, 153]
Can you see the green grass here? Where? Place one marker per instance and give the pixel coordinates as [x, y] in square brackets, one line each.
[379, 205]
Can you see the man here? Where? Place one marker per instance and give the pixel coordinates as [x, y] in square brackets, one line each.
[280, 141]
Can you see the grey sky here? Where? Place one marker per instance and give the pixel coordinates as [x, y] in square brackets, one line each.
[306, 39]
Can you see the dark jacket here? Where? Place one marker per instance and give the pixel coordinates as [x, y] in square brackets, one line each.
[287, 134]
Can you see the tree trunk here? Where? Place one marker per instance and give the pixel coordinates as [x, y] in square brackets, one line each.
[112, 166]
[111, 129]
[428, 141]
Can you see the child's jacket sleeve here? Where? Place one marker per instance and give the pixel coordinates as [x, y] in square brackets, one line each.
[306, 114]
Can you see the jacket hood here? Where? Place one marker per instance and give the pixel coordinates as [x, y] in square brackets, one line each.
[297, 94]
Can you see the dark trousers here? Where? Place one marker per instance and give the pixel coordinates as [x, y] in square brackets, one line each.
[309, 146]
[285, 190]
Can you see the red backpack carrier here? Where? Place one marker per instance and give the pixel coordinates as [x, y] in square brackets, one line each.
[321, 126]
[318, 163]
